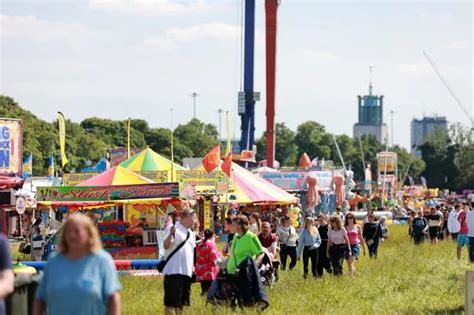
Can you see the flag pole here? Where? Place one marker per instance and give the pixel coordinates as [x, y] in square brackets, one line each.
[128, 138]
[172, 147]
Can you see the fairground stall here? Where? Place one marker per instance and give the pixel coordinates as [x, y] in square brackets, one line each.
[106, 198]
[216, 193]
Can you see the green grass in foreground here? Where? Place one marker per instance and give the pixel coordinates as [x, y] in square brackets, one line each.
[404, 279]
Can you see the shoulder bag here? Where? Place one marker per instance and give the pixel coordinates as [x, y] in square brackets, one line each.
[162, 263]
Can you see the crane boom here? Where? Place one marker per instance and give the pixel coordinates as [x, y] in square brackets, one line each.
[466, 112]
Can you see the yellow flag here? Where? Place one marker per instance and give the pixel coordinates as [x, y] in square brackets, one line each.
[62, 138]
[128, 139]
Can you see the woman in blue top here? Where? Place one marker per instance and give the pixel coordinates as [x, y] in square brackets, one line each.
[81, 277]
[308, 245]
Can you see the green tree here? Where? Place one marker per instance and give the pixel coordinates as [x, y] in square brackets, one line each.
[159, 139]
[197, 136]
[311, 137]
[285, 146]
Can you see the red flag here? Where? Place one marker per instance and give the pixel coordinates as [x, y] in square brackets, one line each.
[212, 159]
[227, 164]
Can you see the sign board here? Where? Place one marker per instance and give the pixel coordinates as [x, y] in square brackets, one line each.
[108, 193]
[207, 214]
[74, 179]
[203, 181]
[11, 138]
[387, 160]
[118, 155]
[157, 176]
[295, 181]
[20, 204]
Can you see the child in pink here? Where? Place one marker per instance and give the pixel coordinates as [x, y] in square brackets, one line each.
[207, 256]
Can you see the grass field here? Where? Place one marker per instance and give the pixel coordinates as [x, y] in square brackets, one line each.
[404, 280]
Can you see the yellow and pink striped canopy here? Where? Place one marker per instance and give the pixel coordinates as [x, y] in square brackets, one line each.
[250, 188]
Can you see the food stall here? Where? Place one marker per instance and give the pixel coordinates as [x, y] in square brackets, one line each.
[106, 199]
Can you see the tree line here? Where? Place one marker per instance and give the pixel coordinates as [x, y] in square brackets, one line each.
[448, 157]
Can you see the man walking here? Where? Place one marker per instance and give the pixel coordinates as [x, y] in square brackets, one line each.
[470, 225]
[179, 244]
[453, 223]
[463, 238]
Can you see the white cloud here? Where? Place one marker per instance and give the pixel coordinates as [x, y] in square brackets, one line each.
[317, 56]
[149, 8]
[212, 31]
[460, 44]
[30, 28]
[415, 69]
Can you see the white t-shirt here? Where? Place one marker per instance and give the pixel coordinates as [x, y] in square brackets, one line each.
[470, 223]
[453, 223]
[182, 261]
[337, 237]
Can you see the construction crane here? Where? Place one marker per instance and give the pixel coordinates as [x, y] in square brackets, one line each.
[445, 83]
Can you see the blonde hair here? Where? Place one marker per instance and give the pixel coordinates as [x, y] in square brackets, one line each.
[311, 229]
[336, 219]
[94, 240]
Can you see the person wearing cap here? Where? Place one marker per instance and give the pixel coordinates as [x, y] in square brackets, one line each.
[206, 261]
[179, 269]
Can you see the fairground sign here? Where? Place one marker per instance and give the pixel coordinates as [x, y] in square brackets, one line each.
[74, 179]
[203, 181]
[108, 193]
[296, 181]
[11, 137]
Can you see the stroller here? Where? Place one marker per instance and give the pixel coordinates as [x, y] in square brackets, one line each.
[226, 291]
[268, 269]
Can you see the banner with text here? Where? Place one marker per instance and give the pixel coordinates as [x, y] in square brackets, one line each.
[74, 179]
[296, 181]
[204, 182]
[108, 193]
[11, 137]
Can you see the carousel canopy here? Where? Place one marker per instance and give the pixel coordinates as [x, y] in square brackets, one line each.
[116, 176]
[150, 161]
[250, 188]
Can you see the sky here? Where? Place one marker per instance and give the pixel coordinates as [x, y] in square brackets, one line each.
[140, 59]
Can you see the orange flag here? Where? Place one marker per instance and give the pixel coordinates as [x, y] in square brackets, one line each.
[212, 159]
[227, 164]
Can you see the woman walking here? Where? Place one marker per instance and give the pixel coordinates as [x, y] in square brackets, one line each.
[308, 246]
[288, 238]
[356, 240]
[338, 244]
[206, 261]
[323, 260]
[81, 277]
[372, 233]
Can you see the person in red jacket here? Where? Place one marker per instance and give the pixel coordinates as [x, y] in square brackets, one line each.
[207, 256]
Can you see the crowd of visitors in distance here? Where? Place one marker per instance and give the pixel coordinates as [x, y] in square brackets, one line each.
[80, 277]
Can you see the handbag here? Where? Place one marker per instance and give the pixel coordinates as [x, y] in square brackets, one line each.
[162, 263]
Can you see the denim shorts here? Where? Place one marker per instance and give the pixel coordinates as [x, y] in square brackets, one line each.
[355, 251]
[463, 240]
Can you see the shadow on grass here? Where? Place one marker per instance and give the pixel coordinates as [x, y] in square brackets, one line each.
[455, 311]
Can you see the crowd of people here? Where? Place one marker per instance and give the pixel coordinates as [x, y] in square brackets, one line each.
[81, 277]
[443, 222]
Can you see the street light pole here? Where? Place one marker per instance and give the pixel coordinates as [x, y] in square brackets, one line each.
[391, 125]
[194, 95]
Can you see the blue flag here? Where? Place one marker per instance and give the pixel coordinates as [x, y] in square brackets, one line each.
[51, 168]
[28, 166]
